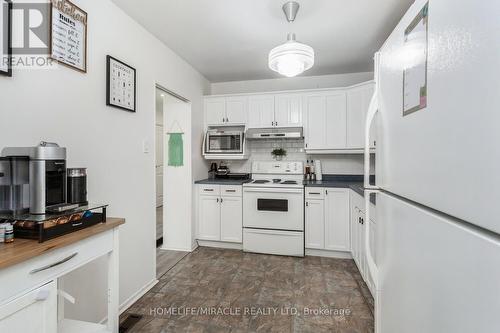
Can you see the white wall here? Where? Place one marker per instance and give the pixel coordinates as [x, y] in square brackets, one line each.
[301, 82]
[68, 107]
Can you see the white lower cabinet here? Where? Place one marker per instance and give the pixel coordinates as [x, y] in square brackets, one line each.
[34, 312]
[209, 217]
[327, 220]
[220, 213]
[337, 220]
[358, 242]
[231, 219]
[315, 224]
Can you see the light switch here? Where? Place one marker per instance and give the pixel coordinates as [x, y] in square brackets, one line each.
[145, 147]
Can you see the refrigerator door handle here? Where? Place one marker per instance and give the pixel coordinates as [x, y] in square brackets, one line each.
[372, 267]
[370, 115]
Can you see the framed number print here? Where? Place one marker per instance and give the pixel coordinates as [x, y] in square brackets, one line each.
[5, 37]
[120, 85]
[68, 35]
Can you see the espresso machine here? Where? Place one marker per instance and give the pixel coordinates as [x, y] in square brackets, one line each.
[45, 165]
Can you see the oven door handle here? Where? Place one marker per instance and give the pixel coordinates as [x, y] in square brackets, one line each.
[274, 190]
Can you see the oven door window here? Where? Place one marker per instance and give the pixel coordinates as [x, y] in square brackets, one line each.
[272, 205]
[224, 142]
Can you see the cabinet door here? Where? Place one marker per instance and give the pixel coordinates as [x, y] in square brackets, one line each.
[326, 121]
[215, 111]
[236, 110]
[261, 111]
[288, 110]
[315, 224]
[34, 312]
[231, 220]
[358, 101]
[209, 217]
[337, 219]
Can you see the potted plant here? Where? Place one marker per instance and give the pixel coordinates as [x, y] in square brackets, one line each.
[278, 153]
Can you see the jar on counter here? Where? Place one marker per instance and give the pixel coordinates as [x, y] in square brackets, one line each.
[9, 233]
[2, 232]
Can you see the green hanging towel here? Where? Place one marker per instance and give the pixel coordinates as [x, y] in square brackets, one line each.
[175, 150]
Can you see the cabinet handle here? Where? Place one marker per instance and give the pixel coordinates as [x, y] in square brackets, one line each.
[221, 200]
[54, 264]
[306, 145]
[208, 189]
[326, 192]
[359, 219]
[231, 191]
[227, 120]
[317, 193]
[307, 204]
[217, 199]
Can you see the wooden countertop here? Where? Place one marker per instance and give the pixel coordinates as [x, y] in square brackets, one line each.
[24, 249]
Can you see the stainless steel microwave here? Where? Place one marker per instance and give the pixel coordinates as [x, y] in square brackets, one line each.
[224, 142]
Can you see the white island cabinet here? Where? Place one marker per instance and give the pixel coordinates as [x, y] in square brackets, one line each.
[220, 215]
[30, 272]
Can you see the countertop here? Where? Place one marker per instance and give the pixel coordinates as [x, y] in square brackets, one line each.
[222, 181]
[354, 182]
[24, 249]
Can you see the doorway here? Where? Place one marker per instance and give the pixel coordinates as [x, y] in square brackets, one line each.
[172, 114]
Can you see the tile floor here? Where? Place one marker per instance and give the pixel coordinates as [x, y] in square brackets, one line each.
[243, 290]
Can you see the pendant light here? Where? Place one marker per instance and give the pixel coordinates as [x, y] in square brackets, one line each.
[292, 58]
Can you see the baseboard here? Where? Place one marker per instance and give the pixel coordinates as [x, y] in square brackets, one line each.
[132, 299]
[135, 297]
[168, 248]
[221, 245]
[328, 254]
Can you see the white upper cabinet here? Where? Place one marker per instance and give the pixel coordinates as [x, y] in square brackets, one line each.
[226, 110]
[215, 111]
[236, 110]
[326, 120]
[261, 111]
[288, 110]
[358, 101]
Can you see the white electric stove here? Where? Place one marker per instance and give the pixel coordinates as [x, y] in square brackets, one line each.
[273, 209]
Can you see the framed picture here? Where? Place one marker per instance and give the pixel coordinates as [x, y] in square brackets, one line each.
[68, 35]
[5, 37]
[120, 85]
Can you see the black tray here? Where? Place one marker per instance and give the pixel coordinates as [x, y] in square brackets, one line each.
[42, 233]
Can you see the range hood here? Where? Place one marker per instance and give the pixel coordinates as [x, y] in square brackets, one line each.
[275, 133]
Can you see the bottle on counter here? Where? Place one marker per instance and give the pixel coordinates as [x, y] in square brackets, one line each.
[2, 232]
[9, 233]
[307, 171]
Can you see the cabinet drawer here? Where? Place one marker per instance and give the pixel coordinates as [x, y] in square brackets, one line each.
[41, 269]
[209, 190]
[230, 191]
[315, 193]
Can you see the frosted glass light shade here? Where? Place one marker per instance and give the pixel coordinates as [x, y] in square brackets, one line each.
[291, 59]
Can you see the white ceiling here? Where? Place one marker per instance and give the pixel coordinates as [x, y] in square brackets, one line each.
[229, 40]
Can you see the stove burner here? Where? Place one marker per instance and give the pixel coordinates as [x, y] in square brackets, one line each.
[260, 181]
[289, 182]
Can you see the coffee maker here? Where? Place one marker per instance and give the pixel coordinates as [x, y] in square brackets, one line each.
[46, 168]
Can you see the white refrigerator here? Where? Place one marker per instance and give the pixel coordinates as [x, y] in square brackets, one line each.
[437, 170]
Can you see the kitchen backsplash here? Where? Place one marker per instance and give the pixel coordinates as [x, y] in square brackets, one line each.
[260, 150]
